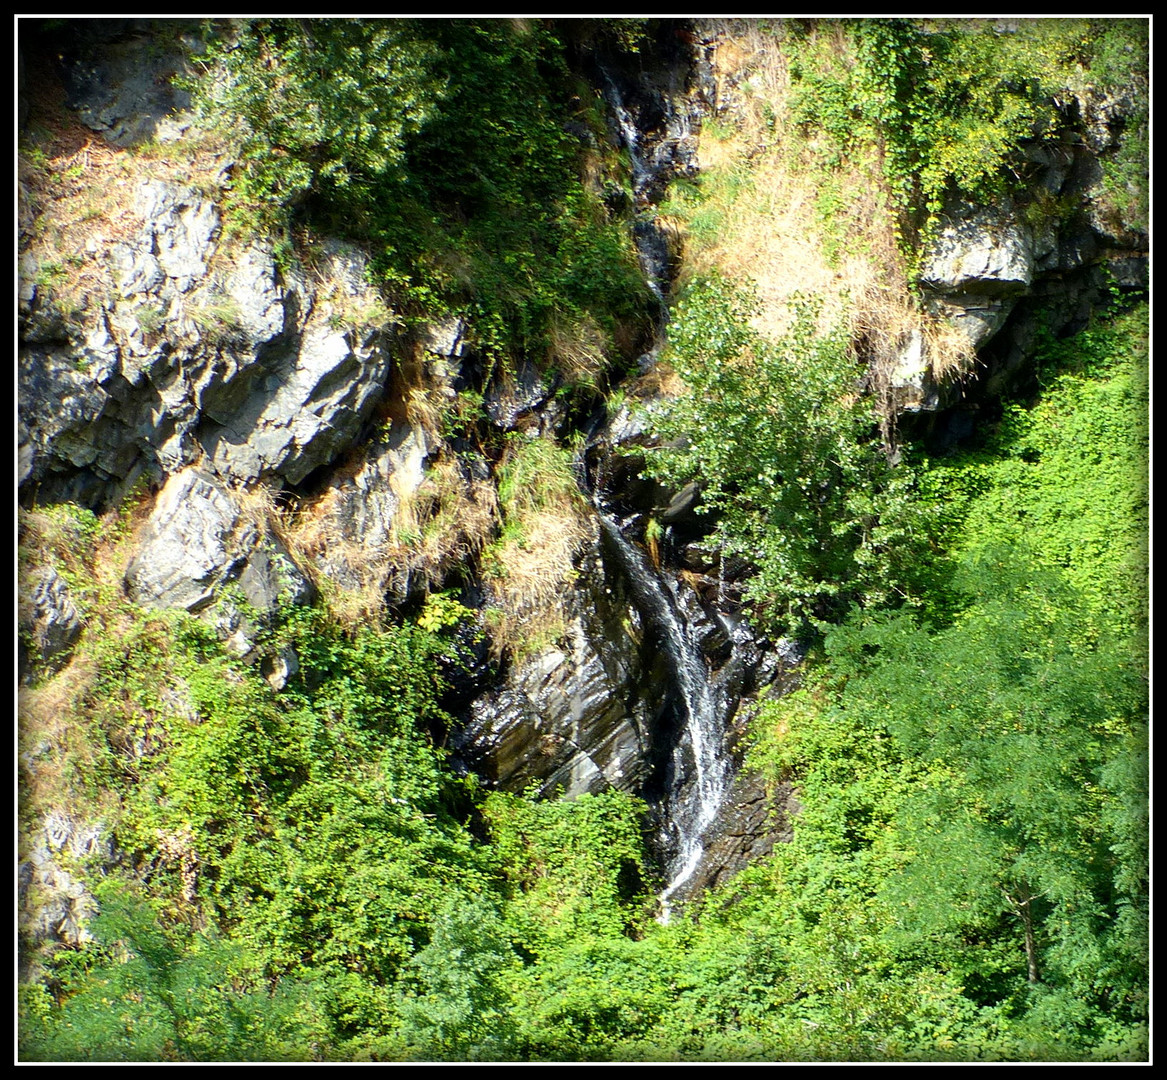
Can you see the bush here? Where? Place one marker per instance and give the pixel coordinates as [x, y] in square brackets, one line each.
[784, 450]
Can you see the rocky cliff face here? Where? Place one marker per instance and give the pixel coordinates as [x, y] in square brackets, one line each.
[159, 351]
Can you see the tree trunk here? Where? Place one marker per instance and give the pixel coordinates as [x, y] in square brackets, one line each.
[1022, 906]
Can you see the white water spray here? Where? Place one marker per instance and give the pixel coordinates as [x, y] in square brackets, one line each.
[704, 724]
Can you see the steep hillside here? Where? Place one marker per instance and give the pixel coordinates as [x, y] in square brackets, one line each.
[587, 540]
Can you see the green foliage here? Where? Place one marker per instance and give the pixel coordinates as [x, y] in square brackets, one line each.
[314, 828]
[142, 993]
[1019, 721]
[953, 103]
[536, 477]
[576, 866]
[1068, 477]
[593, 998]
[459, 1007]
[1117, 52]
[968, 872]
[442, 145]
[441, 612]
[318, 103]
[787, 461]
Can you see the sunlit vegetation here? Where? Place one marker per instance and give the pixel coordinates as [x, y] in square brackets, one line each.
[301, 875]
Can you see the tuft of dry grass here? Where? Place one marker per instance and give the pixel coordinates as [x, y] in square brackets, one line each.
[76, 195]
[545, 526]
[436, 528]
[56, 741]
[578, 348]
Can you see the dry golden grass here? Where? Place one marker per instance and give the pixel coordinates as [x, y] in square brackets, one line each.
[53, 717]
[530, 567]
[578, 348]
[437, 527]
[773, 213]
[76, 195]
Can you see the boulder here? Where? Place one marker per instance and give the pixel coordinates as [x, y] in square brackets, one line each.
[985, 251]
[197, 541]
[307, 408]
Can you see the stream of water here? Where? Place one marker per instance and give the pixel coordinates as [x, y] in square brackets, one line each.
[701, 769]
[701, 755]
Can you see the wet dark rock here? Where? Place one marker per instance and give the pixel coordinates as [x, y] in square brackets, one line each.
[581, 716]
[514, 398]
[753, 820]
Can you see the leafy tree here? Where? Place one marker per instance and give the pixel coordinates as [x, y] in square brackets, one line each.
[319, 102]
[1022, 722]
[443, 145]
[785, 455]
[459, 1006]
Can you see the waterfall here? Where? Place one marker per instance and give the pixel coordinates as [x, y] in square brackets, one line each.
[701, 756]
[651, 165]
[701, 768]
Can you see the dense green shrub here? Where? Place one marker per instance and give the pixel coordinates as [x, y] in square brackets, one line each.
[787, 457]
[953, 103]
[444, 146]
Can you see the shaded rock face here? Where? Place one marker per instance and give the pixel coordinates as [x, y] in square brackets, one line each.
[50, 623]
[118, 76]
[184, 352]
[582, 716]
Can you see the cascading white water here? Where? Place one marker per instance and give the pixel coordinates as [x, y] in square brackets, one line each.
[704, 722]
[701, 767]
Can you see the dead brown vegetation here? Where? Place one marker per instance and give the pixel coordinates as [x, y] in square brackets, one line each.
[770, 211]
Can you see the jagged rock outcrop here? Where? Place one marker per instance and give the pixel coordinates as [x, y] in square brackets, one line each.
[181, 349]
[977, 266]
[580, 716]
[198, 541]
[50, 623]
[55, 901]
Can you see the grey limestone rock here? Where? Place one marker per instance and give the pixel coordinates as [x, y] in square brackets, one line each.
[307, 409]
[49, 619]
[977, 266]
[54, 903]
[197, 541]
[987, 252]
[191, 349]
